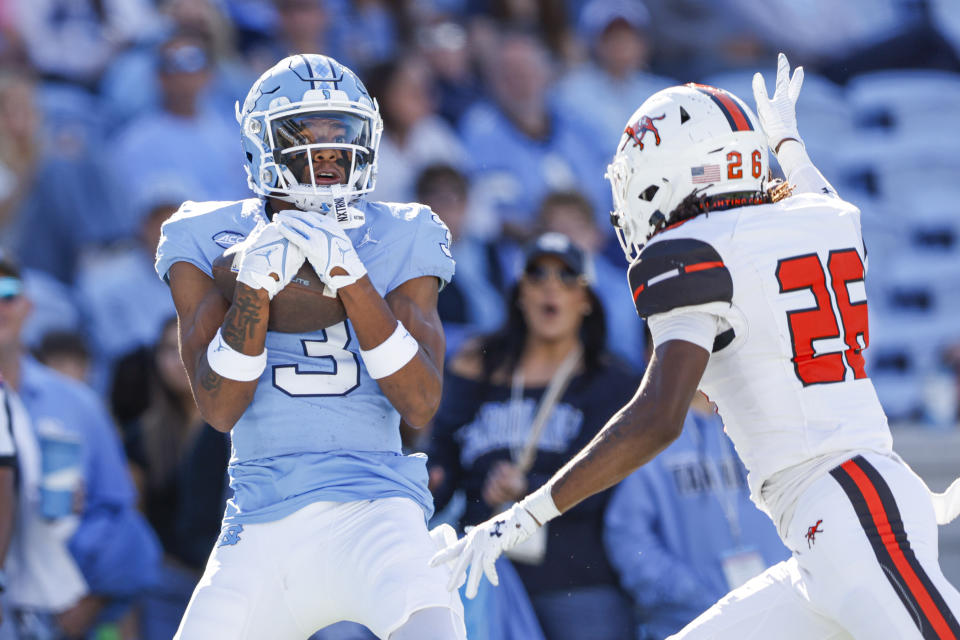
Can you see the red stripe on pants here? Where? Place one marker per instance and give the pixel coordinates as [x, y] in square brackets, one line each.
[907, 574]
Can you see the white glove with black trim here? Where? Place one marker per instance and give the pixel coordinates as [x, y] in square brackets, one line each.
[325, 245]
[778, 115]
[267, 260]
[483, 544]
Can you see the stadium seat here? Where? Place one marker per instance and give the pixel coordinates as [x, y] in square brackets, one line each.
[908, 104]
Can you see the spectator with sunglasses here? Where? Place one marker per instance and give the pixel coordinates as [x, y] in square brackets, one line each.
[571, 213]
[516, 403]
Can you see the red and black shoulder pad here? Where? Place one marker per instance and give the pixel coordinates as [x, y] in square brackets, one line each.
[678, 273]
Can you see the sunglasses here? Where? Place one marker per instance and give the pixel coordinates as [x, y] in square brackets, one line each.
[538, 274]
[186, 58]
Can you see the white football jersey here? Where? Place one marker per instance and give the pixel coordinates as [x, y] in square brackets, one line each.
[787, 370]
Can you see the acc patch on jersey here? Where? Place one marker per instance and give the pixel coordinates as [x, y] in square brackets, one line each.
[678, 273]
[227, 239]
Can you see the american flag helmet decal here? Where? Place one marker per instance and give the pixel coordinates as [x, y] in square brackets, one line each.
[705, 174]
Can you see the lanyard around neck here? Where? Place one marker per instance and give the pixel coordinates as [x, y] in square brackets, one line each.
[558, 384]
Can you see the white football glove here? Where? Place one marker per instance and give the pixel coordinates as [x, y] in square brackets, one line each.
[481, 547]
[325, 244]
[778, 115]
[267, 260]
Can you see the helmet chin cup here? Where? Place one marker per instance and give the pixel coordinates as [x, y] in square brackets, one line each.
[332, 201]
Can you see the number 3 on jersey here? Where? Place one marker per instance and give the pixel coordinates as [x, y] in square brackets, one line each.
[821, 322]
[344, 378]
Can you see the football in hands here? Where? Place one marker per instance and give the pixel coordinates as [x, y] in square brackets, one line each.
[300, 307]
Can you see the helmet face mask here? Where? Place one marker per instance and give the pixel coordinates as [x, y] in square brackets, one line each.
[310, 133]
[317, 149]
[691, 140]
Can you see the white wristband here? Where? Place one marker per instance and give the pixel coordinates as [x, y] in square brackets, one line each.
[390, 355]
[540, 504]
[230, 363]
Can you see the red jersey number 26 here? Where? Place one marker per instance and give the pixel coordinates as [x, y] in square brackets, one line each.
[821, 322]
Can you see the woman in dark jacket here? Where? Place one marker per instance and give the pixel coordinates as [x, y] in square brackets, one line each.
[517, 404]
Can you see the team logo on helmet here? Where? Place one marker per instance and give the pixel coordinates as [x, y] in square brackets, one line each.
[645, 124]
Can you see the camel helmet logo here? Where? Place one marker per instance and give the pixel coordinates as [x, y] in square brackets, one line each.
[638, 130]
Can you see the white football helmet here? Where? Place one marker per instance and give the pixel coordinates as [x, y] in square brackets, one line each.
[682, 141]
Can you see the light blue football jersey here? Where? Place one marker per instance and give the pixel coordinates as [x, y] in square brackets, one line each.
[319, 428]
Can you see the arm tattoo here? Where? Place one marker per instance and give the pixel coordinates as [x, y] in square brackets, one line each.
[210, 380]
[241, 321]
[239, 325]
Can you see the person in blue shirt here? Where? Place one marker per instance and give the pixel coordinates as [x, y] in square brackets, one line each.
[414, 134]
[521, 145]
[157, 139]
[42, 577]
[124, 305]
[617, 75]
[328, 518]
[680, 528]
[45, 232]
[473, 303]
[115, 573]
[130, 86]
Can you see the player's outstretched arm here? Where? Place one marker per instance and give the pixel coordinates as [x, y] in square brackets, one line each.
[640, 430]
[635, 434]
[778, 119]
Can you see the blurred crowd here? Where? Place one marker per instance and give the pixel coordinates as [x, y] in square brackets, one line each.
[501, 115]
